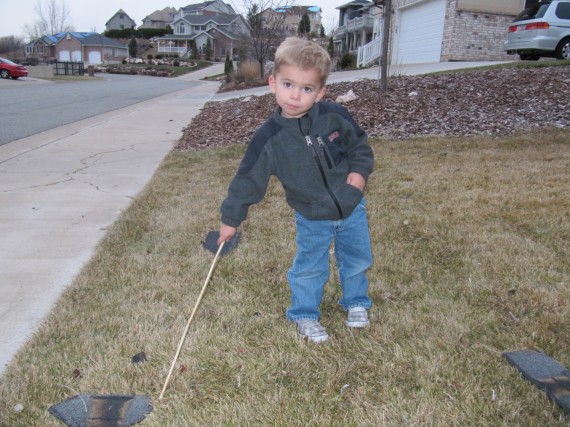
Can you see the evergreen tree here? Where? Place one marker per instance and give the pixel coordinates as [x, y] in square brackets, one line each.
[305, 25]
[133, 47]
[228, 65]
[208, 50]
[330, 47]
[194, 49]
[323, 31]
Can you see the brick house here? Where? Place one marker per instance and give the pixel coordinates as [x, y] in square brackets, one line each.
[429, 30]
[89, 48]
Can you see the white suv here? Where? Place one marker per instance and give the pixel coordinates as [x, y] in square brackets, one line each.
[541, 30]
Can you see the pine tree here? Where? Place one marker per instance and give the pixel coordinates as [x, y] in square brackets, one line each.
[208, 50]
[305, 24]
[133, 47]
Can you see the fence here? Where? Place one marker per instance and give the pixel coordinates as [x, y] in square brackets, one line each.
[66, 68]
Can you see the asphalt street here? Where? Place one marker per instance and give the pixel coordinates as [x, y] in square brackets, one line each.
[28, 109]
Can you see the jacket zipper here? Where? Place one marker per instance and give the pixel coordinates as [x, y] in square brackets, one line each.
[323, 151]
[321, 170]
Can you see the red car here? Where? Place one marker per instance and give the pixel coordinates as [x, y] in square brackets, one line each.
[11, 69]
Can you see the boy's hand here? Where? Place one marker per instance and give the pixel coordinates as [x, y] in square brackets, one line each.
[357, 180]
[226, 233]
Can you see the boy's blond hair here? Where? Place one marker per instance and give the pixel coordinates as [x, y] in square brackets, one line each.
[303, 54]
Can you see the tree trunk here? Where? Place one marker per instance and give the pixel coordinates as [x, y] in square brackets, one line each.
[387, 12]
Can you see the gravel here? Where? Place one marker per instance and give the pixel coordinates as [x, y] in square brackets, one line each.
[479, 102]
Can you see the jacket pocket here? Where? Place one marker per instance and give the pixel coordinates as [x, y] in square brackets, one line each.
[347, 197]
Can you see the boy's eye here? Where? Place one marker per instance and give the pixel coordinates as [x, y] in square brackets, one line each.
[307, 89]
[287, 84]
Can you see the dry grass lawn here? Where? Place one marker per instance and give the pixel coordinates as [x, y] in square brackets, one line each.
[471, 259]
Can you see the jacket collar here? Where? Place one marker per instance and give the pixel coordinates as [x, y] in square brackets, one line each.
[303, 123]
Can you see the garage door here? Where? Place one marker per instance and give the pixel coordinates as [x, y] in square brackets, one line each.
[420, 32]
[94, 58]
[64, 55]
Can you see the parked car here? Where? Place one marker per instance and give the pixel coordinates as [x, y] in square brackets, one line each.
[541, 30]
[11, 69]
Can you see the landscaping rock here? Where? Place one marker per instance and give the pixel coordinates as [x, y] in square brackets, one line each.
[478, 102]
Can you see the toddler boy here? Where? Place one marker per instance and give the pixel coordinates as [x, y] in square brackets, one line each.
[323, 160]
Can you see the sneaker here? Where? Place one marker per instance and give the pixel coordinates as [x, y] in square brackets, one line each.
[357, 317]
[312, 330]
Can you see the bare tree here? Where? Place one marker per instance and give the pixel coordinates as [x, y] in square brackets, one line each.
[52, 18]
[267, 27]
[11, 46]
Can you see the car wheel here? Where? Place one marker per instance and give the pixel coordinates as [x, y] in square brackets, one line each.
[563, 49]
[529, 57]
[4, 74]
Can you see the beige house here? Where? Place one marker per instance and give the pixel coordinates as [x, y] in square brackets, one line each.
[159, 19]
[120, 21]
[428, 30]
[211, 23]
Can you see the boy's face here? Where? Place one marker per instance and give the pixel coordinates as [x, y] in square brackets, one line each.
[296, 90]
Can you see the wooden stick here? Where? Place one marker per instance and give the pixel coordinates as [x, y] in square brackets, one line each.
[190, 321]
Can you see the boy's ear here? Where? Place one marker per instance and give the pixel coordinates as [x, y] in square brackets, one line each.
[322, 93]
[271, 81]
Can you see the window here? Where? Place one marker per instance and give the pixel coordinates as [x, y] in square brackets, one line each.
[121, 16]
[563, 11]
[181, 29]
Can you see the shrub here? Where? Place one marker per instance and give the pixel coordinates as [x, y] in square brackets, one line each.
[347, 61]
[176, 64]
[249, 70]
[149, 56]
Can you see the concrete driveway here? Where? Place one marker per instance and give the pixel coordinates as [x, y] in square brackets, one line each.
[61, 189]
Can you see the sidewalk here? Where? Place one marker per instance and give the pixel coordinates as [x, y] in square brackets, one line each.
[61, 189]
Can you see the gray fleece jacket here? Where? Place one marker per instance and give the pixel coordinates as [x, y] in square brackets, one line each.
[311, 156]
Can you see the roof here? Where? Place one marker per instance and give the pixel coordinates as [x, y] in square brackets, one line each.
[298, 9]
[217, 18]
[96, 39]
[164, 15]
[356, 3]
[86, 39]
[120, 12]
[198, 6]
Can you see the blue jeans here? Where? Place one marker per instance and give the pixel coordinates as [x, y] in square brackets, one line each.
[310, 270]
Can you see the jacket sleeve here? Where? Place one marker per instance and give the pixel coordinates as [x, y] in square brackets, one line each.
[359, 152]
[248, 185]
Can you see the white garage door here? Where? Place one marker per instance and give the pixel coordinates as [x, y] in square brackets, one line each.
[64, 55]
[94, 57]
[420, 32]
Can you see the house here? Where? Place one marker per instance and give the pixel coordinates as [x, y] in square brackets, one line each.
[91, 48]
[206, 8]
[205, 23]
[120, 21]
[290, 17]
[159, 19]
[428, 30]
[358, 24]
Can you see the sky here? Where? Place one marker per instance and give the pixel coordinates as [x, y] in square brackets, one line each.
[91, 15]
